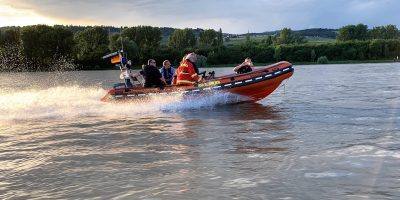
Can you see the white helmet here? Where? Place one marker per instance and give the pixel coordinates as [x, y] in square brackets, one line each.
[192, 57]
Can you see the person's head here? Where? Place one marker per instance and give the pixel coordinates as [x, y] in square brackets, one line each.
[151, 62]
[166, 64]
[192, 57]
[129, 62]
[247, 60]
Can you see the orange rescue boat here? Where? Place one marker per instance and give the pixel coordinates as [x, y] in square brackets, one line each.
[254, 86]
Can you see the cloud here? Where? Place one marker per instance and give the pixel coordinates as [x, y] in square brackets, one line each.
[235, 16]
[10, 16]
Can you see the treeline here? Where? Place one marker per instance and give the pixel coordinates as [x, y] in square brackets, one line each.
[353, 42]
[361, 32]
[377, 49]
[311, 32]
[43, 48]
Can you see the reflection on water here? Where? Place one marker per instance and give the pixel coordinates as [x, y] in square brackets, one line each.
[333, 134]
[253, 126]
[237, 112]
[255, 149]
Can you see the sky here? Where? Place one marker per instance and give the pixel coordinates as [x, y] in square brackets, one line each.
[233, 16]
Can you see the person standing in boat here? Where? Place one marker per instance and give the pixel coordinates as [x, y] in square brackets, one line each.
[126, 72]
[187, 72]
[245, 67]
[152, 77]
[167, 72]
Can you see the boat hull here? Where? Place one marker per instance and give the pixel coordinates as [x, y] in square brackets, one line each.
[254, 86]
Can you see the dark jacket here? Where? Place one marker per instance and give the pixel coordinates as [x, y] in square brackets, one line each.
[151, 76]
[244, 69]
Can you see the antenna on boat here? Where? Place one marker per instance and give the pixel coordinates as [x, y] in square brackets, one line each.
[122, 43]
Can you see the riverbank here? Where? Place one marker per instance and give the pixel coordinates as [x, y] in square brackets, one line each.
[315, 63]
[232, 65]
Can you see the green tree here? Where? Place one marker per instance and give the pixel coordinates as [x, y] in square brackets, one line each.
[384, 32]
[91, 45]
[323, 60]
[278, 53]
[286, 36]
[298, 39]
[182, 39]
[64, 40]
[391, 32]
[268, 41]
[43, 44]
[248, 38]
[12, 58]
[208, 38]
[377, 32]
[147, 39]
[313, 55]
[10, 36]
[376, 48]
[144, 36]
[361, 32]
[129, 46]
[248, 48]
[353, 32]
[220, 38]
[346, 33]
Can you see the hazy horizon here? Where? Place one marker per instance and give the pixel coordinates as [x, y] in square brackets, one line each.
[236, 17]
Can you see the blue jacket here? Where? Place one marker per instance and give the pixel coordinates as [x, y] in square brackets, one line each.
[167, 74]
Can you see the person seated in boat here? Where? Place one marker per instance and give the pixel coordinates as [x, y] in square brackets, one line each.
[245, 67]
[152, 77]
[126, 72]
[174, 79]
[167, 72]
[186, 72]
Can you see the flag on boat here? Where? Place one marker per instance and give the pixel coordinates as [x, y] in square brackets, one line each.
[116, 59]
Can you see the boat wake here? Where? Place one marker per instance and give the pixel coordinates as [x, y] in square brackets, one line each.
[65, 102]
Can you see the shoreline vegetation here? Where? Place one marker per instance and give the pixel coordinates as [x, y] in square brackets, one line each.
[59, 48]
[344, 62]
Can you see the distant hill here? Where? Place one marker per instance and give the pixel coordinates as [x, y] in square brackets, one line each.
[318, 32]
[313, 32]
[167, 31]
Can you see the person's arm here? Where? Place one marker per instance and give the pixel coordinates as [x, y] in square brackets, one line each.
[160, 76]
[238, 67]
[195, 77]
[163, 81]
[134, 75]
[161, 71]
[173, 71]
[157, 73]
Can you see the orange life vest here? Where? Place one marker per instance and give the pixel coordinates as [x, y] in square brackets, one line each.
[186, 74]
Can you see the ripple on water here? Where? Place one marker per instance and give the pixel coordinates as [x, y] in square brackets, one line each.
[327, 174]
[241, 183]
[332, 134]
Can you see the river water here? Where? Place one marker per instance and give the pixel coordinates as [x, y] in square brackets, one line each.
[332, 132]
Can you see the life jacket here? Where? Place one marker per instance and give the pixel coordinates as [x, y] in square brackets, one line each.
[186, 74]
[244, 69]
[167, 74]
